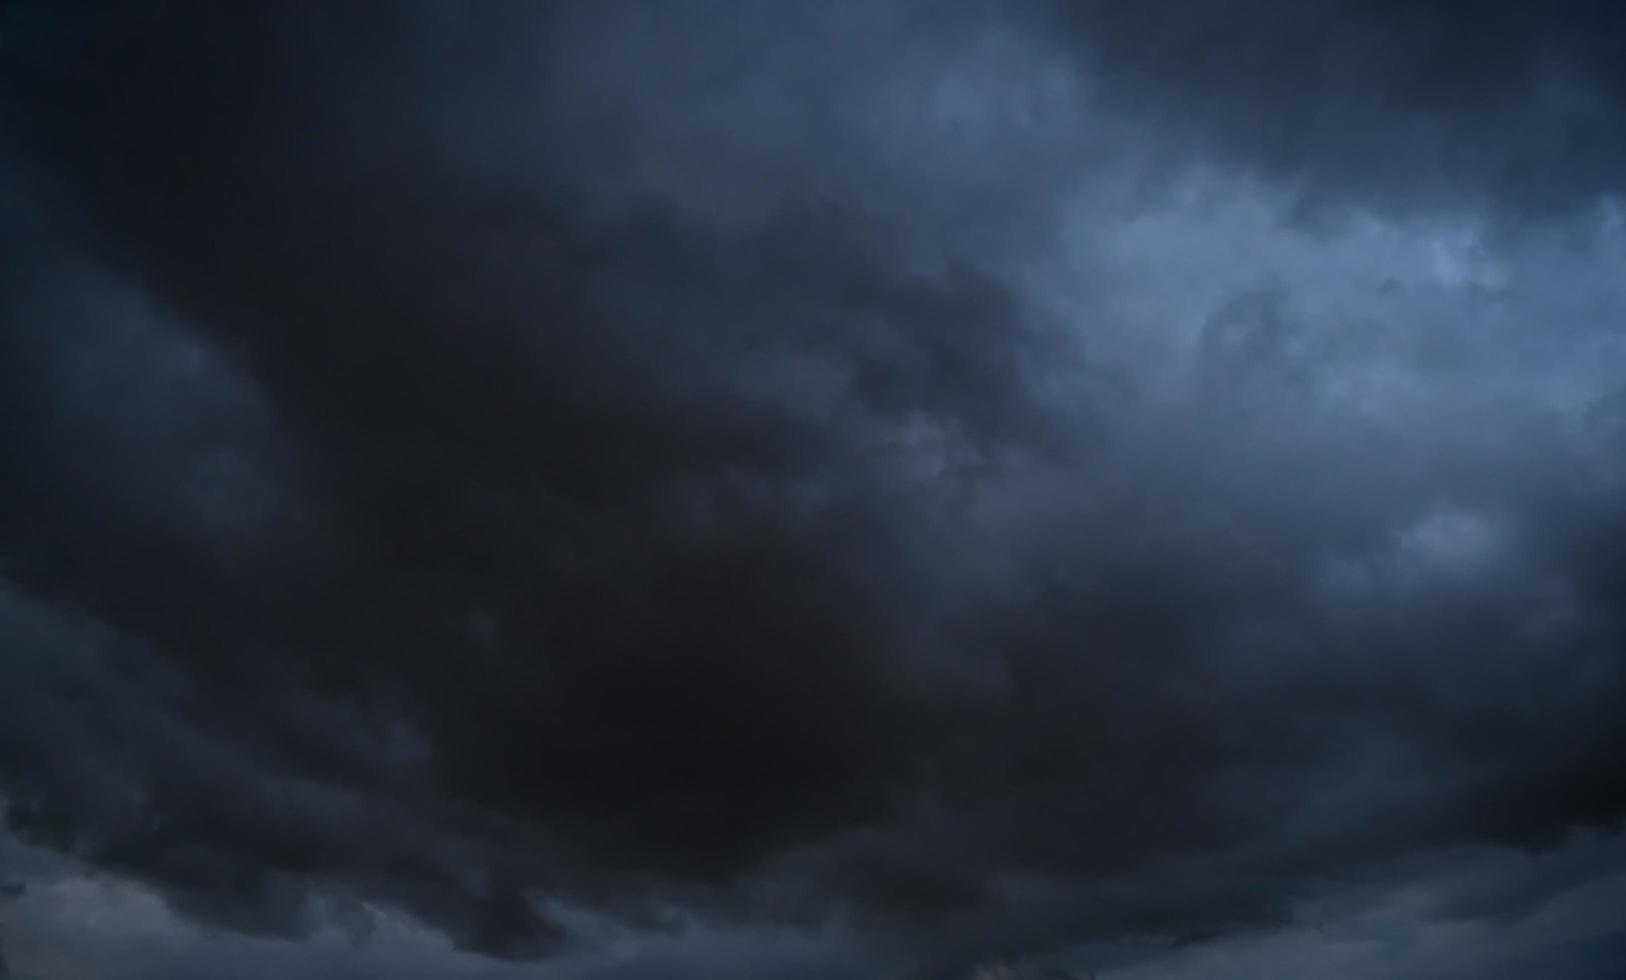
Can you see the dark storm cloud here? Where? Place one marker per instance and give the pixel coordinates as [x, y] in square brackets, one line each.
[1414, 104]
[511, 463]
[604, 520]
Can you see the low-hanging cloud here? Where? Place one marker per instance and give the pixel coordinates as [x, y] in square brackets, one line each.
[519, 465]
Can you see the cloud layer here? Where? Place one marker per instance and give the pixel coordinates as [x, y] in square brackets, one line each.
[574, 476]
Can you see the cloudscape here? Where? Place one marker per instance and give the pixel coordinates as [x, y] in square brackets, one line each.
[859, 490]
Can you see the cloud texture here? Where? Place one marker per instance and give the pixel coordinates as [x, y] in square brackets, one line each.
[960, 480]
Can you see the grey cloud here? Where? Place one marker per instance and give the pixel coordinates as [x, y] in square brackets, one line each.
[1500, 106]
[725, 471]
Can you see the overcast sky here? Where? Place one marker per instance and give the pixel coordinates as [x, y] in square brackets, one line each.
[858, 490]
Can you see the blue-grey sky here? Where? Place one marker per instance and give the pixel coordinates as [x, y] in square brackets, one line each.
[898, 490]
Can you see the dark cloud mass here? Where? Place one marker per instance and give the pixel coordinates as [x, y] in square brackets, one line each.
[600, 479]
[1424, 104]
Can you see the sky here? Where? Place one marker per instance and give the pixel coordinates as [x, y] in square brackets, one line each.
[865, 490]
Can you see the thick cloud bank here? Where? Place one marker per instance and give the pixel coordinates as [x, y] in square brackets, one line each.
[583, 477]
